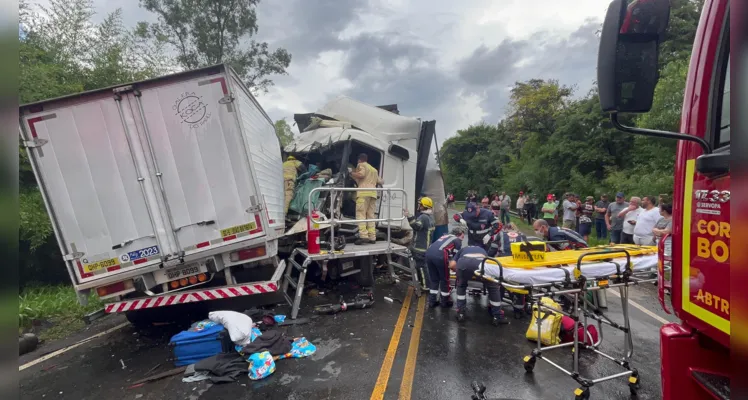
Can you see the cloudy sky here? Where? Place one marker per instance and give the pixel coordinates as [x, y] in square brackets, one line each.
[437, 59]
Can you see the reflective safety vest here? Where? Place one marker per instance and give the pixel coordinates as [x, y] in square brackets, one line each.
[290, 169]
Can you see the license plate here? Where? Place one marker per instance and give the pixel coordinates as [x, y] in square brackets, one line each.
[167, 275]
[100, 264]
[238, 229]
[143, 253]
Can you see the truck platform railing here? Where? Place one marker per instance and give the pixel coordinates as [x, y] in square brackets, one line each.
[300, 258]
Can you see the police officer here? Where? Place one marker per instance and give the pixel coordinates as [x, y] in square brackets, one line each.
[291, 168]
[478, 222]
[438, 258]
[467, 261]
[423, 228]
[572, 239]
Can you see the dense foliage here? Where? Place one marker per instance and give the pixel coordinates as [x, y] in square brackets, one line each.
[551, 142]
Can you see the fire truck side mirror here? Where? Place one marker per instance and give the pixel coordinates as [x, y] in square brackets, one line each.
[627, 64]
[714, 164]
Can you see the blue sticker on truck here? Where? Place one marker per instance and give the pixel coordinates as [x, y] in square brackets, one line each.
[143, 253]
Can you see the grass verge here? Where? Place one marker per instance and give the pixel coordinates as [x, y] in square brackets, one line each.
[52, 312]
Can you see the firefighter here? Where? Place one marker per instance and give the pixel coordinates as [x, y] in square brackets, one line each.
[291, 169]
[478, 222]
[366, 177]
[467, 261]
[553, 233]
[423, 228]
[438, 262]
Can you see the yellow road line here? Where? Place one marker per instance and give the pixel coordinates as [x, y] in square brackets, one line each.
[71, 347]
[410, 363]
[384, 373]
[643, 309]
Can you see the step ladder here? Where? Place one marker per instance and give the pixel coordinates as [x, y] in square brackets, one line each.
[299, 261]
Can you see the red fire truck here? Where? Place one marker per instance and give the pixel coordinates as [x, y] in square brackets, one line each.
[695, 258]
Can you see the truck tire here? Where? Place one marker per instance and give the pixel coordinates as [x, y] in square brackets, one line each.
[140, 320]
[366, 276]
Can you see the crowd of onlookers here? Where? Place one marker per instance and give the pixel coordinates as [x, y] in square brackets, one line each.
[636, 220]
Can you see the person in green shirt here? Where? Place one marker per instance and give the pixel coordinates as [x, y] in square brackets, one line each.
[548, 210]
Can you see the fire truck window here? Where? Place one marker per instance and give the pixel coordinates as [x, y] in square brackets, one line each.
[723, 137]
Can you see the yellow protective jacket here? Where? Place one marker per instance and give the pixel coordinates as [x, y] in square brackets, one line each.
[290, 169]
[366, 176]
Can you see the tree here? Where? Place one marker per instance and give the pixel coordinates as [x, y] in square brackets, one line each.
[207, 32]
[284, 132]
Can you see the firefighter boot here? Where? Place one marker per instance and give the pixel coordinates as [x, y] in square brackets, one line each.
[433, 300]
[446, 302]
[499, 318]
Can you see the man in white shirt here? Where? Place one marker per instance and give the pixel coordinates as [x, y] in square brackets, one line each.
[645, 222]
[629, 216]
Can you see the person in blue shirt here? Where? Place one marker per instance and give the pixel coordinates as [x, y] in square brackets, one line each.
[438, 259]
[478, 222]
[467, 261]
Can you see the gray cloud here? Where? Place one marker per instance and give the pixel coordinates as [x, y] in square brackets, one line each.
[306, 28]
[571, 60]
[489, 66]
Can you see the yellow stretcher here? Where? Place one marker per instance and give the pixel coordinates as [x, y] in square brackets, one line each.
[572, 256]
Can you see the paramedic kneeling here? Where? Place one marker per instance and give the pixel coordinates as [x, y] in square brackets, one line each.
[438, 258]
[467, 261]
[555, 234]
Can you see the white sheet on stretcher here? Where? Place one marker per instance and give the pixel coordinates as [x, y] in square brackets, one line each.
[554, 274]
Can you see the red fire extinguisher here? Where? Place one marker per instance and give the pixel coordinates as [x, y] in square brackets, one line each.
[312, 233]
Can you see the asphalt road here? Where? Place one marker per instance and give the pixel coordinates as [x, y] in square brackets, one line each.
[359, 355]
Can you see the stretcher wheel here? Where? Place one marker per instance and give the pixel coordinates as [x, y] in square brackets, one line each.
[529, 362]
[582, 393]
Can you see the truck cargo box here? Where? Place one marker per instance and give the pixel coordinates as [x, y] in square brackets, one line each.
[143, 177]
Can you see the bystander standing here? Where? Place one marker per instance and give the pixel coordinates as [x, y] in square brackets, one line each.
[646, 221]
[630, 215]
[612, 221]
[601, 207]
[587, 210]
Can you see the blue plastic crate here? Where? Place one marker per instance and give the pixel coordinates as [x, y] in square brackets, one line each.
[191, 347]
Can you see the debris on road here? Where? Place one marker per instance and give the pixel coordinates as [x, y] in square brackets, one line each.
[360, 302]
[123, 364]
[156, 377]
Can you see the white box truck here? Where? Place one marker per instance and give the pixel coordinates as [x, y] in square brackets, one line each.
[161, 192]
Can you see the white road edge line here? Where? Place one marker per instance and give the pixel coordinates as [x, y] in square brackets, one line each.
[71, 347]
[644, 310]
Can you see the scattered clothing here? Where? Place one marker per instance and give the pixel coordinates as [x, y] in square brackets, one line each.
[195, 377]
[273, 341]
[226, 367]
[261, 365]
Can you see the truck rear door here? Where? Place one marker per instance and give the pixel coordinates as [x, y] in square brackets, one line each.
[199, 162]
[92, 187]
